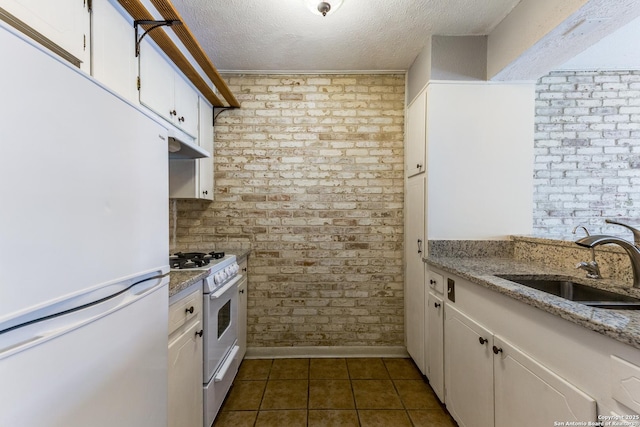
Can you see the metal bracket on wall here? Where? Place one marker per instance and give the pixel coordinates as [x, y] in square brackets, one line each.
[154, 25]
[219, 110]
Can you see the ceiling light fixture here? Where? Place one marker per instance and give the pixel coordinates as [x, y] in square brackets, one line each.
[323, 8]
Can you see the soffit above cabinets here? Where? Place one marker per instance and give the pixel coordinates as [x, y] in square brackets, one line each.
[138, 11]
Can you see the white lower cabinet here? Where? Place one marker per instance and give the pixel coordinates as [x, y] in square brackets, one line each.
[185, 361]
[489, 382]
[524, 387]
[242, 318]
[468, 370]
[435, 348]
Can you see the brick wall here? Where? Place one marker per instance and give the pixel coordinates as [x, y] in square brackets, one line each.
[309, 174]
[587, 151]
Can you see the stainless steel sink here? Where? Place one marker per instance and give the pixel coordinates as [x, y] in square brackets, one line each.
[564, 287]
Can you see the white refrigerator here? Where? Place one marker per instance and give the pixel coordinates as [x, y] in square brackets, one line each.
[83, 249]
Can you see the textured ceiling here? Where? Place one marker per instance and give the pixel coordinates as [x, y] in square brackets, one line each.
[363, 35]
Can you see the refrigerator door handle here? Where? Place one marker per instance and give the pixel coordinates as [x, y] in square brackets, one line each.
[39, 331]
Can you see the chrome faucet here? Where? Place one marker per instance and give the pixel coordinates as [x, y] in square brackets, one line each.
[635, 231]
[591, 267]
[632, 251]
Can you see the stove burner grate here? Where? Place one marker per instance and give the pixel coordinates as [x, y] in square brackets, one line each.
[186, 260]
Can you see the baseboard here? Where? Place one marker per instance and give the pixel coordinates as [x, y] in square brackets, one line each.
[324, 352]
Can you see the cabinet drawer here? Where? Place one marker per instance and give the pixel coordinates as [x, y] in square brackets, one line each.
[436, 282]
[187, 308]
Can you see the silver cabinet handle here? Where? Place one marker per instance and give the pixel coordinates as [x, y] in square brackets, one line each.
[419, 246]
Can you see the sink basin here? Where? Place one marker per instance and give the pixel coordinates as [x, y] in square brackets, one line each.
[564, 287]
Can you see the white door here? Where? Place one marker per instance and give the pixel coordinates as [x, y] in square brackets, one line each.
[242, 318]
[205, 140]
[528, 394]
[64, 22]
[416, 138]
[435, 338]
[468, 370]
[186, 105]
[102, 366]
[85, 184]
[415, 274]
[185, 378]
[156, 82]
[113, 57]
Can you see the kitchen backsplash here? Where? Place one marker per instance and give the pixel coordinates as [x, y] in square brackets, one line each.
[471, 248]
[309, 174]
[587, 151]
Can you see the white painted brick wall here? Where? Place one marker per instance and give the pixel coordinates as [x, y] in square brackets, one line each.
[587, 151]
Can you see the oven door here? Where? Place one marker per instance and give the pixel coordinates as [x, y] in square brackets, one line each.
[220, 317]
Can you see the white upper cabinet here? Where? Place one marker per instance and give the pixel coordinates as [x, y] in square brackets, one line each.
[113, 58]
[66, 23]
[416, 137]
[193, 179]
[165, 91]
[205, 139]
[186, 106]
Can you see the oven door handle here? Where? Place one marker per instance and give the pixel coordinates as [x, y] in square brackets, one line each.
[217, 294]
[222, 372]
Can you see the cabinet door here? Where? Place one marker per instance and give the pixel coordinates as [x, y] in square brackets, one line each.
[113, 58]
[529, 394]
[185, 378]
[415, 273]
[205, 140]
[435, 340]
[186, 106]
[436, 282]
[242, 317]
[416, 135]
[193, 179]
[64, 22]
[156, 82]
[468, 370]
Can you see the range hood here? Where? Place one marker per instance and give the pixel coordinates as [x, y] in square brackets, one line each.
[182, 146]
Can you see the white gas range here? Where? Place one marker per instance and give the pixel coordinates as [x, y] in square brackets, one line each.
[220, 323]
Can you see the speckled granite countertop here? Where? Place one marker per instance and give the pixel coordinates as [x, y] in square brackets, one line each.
[622, 325]
[181, 280]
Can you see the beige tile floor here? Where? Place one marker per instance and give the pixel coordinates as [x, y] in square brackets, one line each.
[371, 392]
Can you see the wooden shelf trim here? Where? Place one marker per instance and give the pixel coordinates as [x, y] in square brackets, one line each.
[138, 12]
[168, 11]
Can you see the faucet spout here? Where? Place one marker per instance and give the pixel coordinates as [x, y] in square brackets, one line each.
[630, 249]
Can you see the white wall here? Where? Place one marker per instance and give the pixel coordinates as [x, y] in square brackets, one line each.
[459, 58]
[419, 73]
[480, 160]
